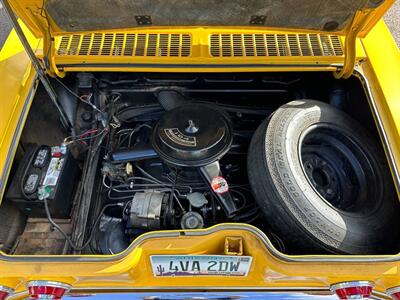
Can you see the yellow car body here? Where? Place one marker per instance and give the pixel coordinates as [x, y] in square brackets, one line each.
[377, 64]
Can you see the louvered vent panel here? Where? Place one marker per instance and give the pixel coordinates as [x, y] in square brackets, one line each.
[107, 44]
[118, 44]
[126, 44]
[85, 45]
[96, 45]
[250, 45]
[74, 46]
[129, 44]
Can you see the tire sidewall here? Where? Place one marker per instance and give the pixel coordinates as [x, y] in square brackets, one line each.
[323, 224]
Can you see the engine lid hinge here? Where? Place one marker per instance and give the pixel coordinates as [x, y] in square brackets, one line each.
[49, 53]
[359, 21]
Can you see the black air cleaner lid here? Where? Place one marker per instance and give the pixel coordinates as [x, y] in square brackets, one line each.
[192, 135]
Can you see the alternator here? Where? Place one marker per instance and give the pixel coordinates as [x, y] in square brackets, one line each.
[146, 209]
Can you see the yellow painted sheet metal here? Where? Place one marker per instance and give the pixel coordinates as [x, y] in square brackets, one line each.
[383, 70]
[16, 81]
[133, 270]
[205, 49]
[34, 14]
[13, 46]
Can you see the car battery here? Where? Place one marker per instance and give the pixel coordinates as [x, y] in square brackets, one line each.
[52, 170]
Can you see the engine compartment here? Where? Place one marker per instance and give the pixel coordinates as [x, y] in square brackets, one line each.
[150, 152]
[171, 180]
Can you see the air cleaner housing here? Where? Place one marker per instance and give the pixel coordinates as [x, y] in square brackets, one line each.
[192, 135]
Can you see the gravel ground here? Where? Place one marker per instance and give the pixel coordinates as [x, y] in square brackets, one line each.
[5, 26]
[392, 19]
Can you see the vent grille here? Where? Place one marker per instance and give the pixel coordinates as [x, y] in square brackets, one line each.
[231, 45]
[126, 44]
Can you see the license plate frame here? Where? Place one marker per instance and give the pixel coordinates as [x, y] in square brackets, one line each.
[200, 265]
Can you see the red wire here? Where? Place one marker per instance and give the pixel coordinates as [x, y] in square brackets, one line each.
[80, 138]
[88, 132]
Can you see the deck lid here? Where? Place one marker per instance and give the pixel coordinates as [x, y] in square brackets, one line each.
[50, 18]
[90, 15]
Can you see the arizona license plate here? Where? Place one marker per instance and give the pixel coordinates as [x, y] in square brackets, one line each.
[200, 265]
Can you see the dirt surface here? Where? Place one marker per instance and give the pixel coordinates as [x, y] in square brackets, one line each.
[392, 19]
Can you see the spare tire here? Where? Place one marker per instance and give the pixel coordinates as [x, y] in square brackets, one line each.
[323, 183]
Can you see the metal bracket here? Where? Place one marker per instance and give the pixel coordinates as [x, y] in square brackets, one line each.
[143, 20]
[358, 23]
[49, 49]
[228, 204]
[36, 64]
[258, 20]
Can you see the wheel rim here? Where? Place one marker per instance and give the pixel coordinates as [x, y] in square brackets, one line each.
[340, 170]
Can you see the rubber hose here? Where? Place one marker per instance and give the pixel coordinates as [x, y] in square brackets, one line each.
[170, 99]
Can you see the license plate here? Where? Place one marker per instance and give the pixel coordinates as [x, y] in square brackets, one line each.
[200, 265]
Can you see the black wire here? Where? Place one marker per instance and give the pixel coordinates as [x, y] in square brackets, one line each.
[77, 96]
[252, 213]
[165, 185]
[43, 14]
[131, 192]
[147, 174]
[74, 139]
[243, 199]
[92, 231]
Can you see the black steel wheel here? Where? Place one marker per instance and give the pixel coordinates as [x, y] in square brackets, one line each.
[341, 171]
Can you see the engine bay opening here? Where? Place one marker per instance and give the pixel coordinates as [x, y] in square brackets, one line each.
[152, 151]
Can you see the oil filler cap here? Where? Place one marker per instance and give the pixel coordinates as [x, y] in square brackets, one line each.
[192, 135]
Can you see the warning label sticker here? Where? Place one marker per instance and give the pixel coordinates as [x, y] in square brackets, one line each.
[53, 171]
